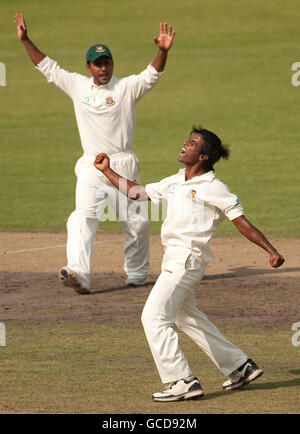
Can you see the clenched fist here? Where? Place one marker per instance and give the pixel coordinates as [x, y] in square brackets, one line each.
[102, 162]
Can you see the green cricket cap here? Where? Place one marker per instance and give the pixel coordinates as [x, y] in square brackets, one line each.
[96, 51]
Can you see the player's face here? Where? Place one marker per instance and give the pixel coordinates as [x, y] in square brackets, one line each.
[191, 150]
[101, 69]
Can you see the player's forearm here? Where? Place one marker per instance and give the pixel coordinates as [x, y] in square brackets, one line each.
[34, 53]
[131, 189]
[253, 234]
[160, 60]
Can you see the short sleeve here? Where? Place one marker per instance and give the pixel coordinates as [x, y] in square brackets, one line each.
[235, 211]
[228, 203]
[154, 191]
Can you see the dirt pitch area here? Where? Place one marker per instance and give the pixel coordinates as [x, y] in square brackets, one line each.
[239, 288]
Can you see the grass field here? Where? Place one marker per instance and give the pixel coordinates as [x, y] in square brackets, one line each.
[60, 369]
[230, 71]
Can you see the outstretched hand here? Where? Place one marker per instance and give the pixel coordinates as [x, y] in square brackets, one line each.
[21, 27]
[101, 162]
[166, 36]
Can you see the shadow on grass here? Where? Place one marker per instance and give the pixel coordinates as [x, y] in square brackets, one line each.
[123, 288]
[260, 386]
[232, 274]
[246, 271]
[295, 371]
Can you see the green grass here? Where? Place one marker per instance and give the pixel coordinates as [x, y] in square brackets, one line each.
[108, 368]
[229, 70]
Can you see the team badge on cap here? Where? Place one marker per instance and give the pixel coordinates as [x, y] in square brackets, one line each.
[100, 49]
[96, 51]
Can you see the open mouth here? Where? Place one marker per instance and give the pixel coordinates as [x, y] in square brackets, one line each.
[183, 151]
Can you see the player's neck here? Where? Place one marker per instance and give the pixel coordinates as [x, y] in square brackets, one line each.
[192, 171]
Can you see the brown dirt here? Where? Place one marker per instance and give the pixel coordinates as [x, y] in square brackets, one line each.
[239, 288]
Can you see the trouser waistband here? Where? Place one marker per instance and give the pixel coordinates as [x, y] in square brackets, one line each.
[116, 156]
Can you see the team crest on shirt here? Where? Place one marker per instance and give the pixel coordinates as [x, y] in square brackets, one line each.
[109, 101]
[191, 195]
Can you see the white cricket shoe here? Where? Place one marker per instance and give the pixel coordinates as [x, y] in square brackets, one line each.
[246, 373]
[180, 390]
[69, 278]
[135, 282]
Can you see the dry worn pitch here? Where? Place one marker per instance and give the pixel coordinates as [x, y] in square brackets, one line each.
[240, 288]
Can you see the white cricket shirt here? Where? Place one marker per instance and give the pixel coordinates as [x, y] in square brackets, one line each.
[195, 208]
[105, 114]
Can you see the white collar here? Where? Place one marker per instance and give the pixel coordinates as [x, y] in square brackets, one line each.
[208, 176]
[102, 86]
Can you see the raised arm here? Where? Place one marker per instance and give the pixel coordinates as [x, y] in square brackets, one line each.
[255, 236]
[130, 188]
[164, 43]
[34, 53]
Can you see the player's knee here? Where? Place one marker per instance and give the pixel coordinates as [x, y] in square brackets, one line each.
[148, 319]
[154, 322]
[78, 216]
[138, 225]
[145, 318]
[179, 323]
[85, 213]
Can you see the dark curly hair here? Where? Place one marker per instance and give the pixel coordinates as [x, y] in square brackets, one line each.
[212, 147]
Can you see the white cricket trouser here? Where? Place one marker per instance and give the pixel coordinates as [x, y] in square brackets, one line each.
[93, 193]
[172, 301]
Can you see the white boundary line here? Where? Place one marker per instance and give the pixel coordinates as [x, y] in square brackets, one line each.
[34, 249]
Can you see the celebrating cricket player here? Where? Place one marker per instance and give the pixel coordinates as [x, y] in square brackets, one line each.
[197, 202]
[105, 113]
